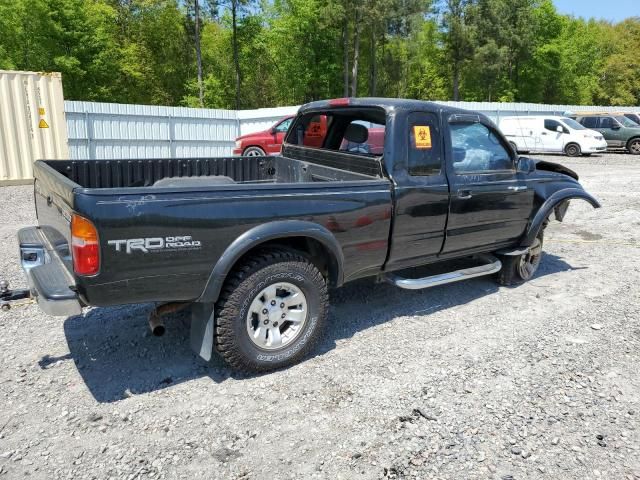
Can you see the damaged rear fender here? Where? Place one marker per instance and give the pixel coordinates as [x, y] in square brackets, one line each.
[559, 202]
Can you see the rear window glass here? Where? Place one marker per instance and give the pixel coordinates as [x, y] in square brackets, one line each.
[356, 131]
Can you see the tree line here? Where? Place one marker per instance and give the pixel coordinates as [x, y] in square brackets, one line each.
[251, 54]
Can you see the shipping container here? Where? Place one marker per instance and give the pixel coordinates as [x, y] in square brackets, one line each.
[32, 123]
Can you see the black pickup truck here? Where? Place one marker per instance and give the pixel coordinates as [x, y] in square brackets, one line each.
[364, 188]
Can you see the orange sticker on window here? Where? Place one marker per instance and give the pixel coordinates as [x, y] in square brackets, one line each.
[422, 136]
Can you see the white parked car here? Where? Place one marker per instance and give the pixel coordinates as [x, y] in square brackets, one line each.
[551, 134]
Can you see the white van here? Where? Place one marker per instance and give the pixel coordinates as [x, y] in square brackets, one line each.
[551, 134]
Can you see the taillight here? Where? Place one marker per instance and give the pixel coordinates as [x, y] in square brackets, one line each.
[85, 246]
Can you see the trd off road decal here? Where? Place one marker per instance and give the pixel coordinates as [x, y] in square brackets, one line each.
[156, 244]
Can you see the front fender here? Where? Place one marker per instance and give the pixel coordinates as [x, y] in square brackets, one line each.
[549, 205]
[264, 233]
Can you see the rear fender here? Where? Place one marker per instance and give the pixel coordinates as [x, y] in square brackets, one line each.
[557, 203]
[265, 233]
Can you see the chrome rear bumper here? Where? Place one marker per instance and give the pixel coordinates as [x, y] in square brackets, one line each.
[50, 282]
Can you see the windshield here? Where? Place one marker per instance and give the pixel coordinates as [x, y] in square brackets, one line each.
[626, 122]
[571, 123]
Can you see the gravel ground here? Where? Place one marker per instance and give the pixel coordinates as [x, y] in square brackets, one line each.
[466, 381]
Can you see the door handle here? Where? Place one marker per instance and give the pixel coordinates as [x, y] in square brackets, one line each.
[516, 189]
[464, 194]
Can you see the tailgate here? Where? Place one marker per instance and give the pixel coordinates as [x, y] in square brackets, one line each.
[54, 199]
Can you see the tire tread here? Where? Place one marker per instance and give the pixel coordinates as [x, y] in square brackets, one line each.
[233, 293]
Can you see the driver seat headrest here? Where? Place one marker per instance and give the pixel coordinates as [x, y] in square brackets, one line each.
[356, 133]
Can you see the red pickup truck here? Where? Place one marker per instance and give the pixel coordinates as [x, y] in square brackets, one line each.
[266, 142]
[269, 142]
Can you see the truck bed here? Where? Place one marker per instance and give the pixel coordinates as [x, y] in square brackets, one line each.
[149, 172]
[214, 201]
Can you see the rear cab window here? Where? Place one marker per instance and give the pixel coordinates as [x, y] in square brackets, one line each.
[357, 131]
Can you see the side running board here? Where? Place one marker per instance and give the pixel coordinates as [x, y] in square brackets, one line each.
[491, 265]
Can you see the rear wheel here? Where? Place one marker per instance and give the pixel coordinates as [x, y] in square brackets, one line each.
[254, 152]
[520, 268]
[572, 150]
[271, 312]
[634, 146]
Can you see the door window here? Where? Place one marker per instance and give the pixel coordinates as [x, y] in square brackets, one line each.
[606, 122]
[477, 149]
[589, 122]
[424, 146]
[625, 122]
[552, 126]
[284, 125]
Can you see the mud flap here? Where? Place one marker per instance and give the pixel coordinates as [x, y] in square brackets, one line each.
[561, 210]
[202, 323]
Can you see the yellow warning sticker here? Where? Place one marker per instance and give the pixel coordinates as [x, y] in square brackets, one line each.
[41, 111]
[43, 124]
[422, 136]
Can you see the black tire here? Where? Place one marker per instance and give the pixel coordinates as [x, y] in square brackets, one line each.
[572, 150]
[243, 286]
[517, 269]
[253, 152]
[633, 146]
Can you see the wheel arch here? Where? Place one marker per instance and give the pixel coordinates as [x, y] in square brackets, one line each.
[556, 202]
[310, 239]
[632, 139]
[261, 147]
[570, 143]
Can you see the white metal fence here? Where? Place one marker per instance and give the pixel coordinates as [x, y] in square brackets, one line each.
[110, 130]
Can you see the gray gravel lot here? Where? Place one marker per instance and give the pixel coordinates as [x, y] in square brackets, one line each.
[464, 381]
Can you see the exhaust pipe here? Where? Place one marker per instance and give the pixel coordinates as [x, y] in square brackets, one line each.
[156, 323]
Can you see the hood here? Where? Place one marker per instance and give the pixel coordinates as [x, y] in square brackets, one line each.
[555, 167]
[249, 135]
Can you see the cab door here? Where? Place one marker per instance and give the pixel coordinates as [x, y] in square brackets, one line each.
[553, 139]
[490, 201]
[279, 131]
[612, 131]
[421, 193]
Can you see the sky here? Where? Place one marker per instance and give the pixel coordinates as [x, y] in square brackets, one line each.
[613, 10]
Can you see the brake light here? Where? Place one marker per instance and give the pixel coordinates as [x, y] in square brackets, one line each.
[84, 246]
[339, 102]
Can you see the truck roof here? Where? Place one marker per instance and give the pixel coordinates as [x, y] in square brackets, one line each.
[533, 117]
[389, 104]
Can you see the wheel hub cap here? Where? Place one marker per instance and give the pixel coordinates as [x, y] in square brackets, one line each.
[276, 316]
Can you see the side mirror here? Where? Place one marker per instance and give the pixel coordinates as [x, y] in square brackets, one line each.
[559, 129]
[525, 165]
